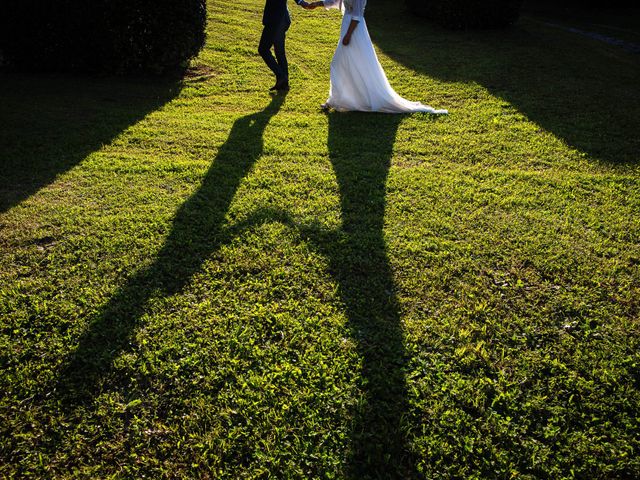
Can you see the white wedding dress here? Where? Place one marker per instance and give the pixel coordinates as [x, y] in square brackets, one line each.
[358, 81]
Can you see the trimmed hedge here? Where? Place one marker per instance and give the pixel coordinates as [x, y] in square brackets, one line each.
[113, 36]
[581, 4]
[465, 14]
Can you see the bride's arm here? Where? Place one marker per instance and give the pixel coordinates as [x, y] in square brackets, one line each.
[347, 36]
[357, 14]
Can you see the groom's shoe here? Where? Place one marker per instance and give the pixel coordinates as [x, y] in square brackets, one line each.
[281, 85]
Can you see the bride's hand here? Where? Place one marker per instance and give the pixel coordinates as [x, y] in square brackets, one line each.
[347, 36]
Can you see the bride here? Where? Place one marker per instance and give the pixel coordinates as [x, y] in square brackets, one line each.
[358, 81]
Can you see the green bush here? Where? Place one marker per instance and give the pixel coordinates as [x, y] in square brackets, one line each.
[112, 36]
[463, 14]
[580, 4]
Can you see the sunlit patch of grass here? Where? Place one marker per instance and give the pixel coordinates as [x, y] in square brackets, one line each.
[198, 280]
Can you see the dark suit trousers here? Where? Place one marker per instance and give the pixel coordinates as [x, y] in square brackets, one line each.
[273, 35]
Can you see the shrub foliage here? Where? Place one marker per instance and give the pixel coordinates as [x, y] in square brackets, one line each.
[102, 35]
[581, 4]
[463, 14]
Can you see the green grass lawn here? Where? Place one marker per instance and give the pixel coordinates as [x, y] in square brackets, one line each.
[199, 280]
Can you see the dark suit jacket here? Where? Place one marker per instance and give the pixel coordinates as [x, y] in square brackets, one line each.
[275, 12]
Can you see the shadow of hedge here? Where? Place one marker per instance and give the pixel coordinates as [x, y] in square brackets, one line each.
[50, 123]
[583, 91]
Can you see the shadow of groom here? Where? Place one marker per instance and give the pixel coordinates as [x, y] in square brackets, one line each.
[196, 233]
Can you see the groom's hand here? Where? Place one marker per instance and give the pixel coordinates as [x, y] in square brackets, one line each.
[309, 6]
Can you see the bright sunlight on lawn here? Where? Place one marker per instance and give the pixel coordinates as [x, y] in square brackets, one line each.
[199, 280]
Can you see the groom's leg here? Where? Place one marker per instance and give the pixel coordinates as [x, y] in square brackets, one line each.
[279, 49]
[267, 40]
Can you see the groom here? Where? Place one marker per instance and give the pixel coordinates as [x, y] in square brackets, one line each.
[276, 21]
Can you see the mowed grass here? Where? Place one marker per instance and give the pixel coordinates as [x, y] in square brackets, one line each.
[199, 280]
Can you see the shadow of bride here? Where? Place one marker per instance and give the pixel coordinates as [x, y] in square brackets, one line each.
[360, 149]
[196, 233]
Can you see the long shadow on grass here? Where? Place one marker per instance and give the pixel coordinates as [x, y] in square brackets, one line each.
[196, 232]
[583, 91]
[50, 123]
[360, 149]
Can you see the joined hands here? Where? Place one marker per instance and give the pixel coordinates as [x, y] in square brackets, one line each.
[310, 6]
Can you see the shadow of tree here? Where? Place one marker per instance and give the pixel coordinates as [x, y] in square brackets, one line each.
[196, 233]
[582, 91]
[50, 123]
